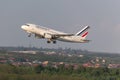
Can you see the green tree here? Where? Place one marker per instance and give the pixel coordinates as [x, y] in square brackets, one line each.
[39, 69]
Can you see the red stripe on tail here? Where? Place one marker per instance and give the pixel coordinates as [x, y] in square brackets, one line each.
[84, 34]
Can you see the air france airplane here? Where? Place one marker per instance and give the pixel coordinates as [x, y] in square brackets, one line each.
[53, 35]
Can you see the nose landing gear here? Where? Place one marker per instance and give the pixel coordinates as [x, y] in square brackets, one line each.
[29, 35]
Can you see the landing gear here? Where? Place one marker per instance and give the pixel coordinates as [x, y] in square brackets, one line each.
[49, 41]
[29, 35]
[54, 42]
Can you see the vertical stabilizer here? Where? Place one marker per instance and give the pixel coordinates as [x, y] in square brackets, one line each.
[83, 31]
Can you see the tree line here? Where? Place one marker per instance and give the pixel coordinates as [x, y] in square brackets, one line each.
[10, 72]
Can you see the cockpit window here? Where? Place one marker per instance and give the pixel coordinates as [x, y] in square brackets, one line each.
[27, 25]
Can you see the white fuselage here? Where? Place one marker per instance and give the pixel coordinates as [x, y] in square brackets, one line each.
[43, 32]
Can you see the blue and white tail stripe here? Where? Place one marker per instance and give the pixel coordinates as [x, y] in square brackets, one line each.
[82, 31]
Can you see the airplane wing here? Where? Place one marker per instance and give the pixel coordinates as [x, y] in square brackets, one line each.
[59, 35]
[62, 34]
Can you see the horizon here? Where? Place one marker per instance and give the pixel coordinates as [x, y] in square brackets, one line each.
[99, 52]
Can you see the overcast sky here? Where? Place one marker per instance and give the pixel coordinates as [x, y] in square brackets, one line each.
[64, 15]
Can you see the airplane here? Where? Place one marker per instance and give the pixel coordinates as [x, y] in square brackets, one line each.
[51, 35]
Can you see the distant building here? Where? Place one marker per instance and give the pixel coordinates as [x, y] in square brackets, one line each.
[45, 63]
[3, 61]
[81, 56]
[69, 55]
[75, 66]
[97, 65]
[88, 64]
[114, 66]
[26, 52]
[50, 53]
[61, 63]
[97, 59]
[103, 61]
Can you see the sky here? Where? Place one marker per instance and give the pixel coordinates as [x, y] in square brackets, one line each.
[103, 16]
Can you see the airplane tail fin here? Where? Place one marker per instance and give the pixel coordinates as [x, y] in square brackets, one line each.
[84, 32]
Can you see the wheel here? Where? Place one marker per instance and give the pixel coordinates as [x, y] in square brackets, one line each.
[48, 41]
[54, 42]
[29, 35]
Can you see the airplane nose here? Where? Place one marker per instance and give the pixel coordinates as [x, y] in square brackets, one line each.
[23, 27]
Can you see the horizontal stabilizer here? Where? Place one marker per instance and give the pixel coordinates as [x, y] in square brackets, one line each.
[86, 41]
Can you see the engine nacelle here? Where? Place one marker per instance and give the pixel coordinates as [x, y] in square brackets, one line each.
[48, 36]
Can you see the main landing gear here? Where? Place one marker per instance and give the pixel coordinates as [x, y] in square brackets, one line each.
[49, 41]
[54, 42]
[29, 35]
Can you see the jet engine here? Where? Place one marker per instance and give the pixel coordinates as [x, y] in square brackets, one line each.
[48, 36]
